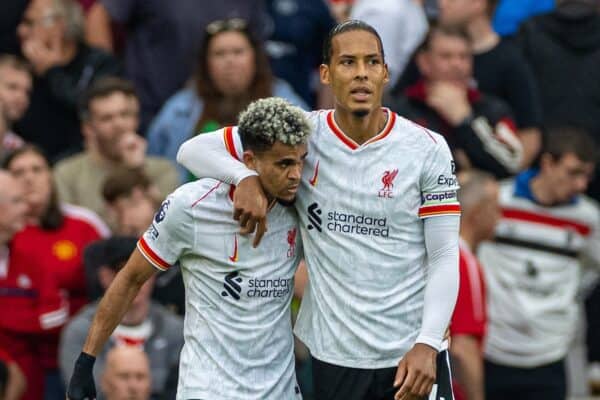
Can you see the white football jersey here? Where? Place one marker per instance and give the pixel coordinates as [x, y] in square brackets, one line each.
[238, 335]
[361, 210]
[532, 272]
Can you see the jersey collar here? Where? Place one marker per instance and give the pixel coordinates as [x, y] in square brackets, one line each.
[523, 186]
[391, 120]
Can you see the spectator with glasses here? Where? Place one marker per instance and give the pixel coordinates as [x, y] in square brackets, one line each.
[161, 40]
[51, 35]
[232, 71]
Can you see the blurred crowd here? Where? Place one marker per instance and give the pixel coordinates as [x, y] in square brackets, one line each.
[96, 96]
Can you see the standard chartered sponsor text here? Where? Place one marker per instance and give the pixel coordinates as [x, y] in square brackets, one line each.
[357, 224]
[278, 287]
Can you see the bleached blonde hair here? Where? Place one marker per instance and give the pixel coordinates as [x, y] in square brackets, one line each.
[272, 119]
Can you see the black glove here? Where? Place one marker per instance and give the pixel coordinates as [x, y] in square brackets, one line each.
[81, 385]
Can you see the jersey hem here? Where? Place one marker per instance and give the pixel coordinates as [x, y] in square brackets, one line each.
[347, 363]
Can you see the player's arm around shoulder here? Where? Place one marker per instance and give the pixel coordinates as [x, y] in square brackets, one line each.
[111, 309]
[168, 226]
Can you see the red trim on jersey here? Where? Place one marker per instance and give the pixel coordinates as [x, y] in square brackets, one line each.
[229, 142]
[151, 256]
[511, 125]
[234, 257]
[387, 128]
[313, 181]
[428, 133]
[231, 191]
[389, 125]
[206, 194]
[338, 132]
[442, 209]
[530, 216]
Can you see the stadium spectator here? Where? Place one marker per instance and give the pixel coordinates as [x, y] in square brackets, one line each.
[15, 88]
[341, 9]
[569, 88]
[127, 374]
[145, 324]
[498, 68]
[132, 200]
[51, 34]
[109, 111]
[478, 127]
[297, 30]
[532, 269]
[238, 338]
[33, 308]
[233, 70]
[511, 13]
[162, 38]
[569, 91]
[12, 380]
[58, 233]
[402, 25]
[478, 196]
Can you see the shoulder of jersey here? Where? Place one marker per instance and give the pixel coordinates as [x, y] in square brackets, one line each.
[200, 191]
[591, 207]
[406, 129]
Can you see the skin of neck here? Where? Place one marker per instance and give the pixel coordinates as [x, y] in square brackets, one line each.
[69, 51]
[136, 314]
[35, 212]
[469, 234]
[542, 191]
[361, 129]
[4, 238]
[483, 37]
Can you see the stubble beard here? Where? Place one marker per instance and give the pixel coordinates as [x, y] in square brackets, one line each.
[360, 113]
[287, 203]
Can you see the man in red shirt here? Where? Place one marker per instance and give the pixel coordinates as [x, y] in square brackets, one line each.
[478, 197]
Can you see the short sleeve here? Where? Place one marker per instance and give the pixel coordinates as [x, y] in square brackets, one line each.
[439, 185]
[170, 234]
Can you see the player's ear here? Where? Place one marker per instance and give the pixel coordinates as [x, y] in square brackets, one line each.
[86, 130]
[249, 158]
[386, 73]
[324, 74]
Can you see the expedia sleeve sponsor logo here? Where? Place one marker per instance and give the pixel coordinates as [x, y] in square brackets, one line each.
[357, 224]
[428, 199]
[448, 180]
